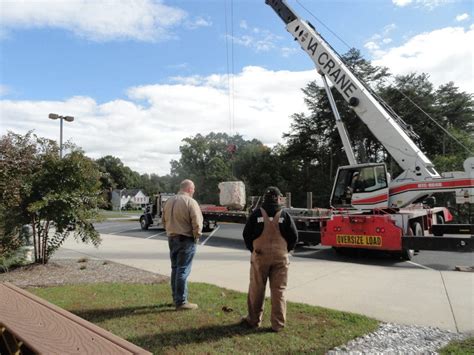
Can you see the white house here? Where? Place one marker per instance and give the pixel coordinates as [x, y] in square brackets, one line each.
[136, 198]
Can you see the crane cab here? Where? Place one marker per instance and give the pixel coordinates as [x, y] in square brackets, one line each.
[362, 186]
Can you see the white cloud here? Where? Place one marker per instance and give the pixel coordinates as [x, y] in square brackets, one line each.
[143, 20]
[402, 3]
[462, 17]
[372, 46]
[199, 22]
[389, 28]
[430, 4]
[378, 40]
[444, 54]
[258, 39]
[288, 51]
[261, 40]
[145, 131]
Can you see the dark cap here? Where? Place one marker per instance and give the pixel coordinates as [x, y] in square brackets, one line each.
[271, 194]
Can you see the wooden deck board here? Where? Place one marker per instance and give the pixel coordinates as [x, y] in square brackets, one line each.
[47, 329]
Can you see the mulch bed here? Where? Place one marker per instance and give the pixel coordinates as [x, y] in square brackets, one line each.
[74, 271]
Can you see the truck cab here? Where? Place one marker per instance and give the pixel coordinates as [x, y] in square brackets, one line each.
[362, 186]
[153, 213]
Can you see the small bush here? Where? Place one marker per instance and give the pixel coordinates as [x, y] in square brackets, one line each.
[17, 259]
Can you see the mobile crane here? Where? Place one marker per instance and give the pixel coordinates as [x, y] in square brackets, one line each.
[378, 213]
[368, 210]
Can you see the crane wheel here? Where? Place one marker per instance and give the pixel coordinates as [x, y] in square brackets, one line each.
[416, 230]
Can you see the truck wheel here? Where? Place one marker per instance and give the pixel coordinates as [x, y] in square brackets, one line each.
[407, 254]
[206, 227]
[144, 223]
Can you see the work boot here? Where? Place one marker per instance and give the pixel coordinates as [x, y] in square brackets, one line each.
[187, 306]
[244, 322]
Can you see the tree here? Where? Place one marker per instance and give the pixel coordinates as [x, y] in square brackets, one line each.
[456, 112]
[55, 196]
[401, 96]
[207, 161]
[456, 107]
[258, 166]
[117, 175]
[17, 165]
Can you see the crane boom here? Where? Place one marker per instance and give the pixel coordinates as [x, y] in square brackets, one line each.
[340, 126]
[380, 122]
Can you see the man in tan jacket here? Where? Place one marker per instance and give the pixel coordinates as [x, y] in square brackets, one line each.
[182, 219]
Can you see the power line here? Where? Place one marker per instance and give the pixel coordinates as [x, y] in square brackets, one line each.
[322, 23]
[433, 120]
[230, 77]
[232, 63]
[228, 66]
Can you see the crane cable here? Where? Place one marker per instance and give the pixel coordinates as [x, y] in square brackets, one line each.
[230, 74]
[230, 81]
[232, 63]
[396, 89]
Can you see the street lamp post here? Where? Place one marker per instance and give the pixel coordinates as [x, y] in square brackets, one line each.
[55, 116]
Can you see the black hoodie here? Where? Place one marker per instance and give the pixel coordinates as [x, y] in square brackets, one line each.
[253, 229]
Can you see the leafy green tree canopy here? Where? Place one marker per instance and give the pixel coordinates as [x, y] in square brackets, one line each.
[57, 197]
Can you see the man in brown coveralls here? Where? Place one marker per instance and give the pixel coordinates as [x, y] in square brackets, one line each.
[270, 233]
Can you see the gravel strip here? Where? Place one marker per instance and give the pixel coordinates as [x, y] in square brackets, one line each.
[73, 271]
[392, 338]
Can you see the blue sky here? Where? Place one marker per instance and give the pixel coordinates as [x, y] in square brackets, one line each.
[139, 76]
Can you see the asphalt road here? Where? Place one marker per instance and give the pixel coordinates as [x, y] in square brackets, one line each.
[230, 236]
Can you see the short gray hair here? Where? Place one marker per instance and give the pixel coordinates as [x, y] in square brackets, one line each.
[185, 184]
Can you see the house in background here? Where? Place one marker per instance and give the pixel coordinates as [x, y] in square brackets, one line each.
[136, 198]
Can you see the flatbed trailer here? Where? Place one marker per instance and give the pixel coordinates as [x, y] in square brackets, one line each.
[307, 222]
[349, 228]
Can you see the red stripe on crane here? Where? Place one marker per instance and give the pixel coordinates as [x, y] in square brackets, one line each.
[371, 200]
[433, 185]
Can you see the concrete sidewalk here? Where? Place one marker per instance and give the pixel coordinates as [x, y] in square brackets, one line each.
[443, 299]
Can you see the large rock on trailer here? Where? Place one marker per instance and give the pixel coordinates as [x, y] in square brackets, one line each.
[232, 195]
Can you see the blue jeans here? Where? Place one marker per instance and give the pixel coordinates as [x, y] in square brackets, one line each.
[182, 250]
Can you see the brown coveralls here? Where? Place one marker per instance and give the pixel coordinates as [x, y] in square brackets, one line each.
[269, 260]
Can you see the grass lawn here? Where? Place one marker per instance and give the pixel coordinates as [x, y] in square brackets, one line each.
[143, 315]
[459, 347]
[118, 214]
